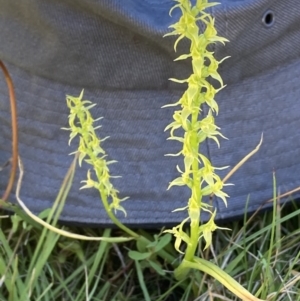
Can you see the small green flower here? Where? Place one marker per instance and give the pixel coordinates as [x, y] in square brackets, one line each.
[207, 229]
[216, 189]
[180, 235]
[89, 182]
[115, 204]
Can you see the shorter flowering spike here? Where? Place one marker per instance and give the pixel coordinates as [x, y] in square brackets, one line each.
[90, 150]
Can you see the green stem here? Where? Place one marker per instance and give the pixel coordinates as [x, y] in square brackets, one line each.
[181, 271]
[191, 248]
[114, 218]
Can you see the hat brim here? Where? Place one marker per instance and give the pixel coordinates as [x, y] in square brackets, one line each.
[135, 122]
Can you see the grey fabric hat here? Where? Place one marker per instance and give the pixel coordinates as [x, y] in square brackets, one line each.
[115, 50]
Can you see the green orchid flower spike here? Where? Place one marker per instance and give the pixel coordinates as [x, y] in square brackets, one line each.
[82, 123]
[198, 174]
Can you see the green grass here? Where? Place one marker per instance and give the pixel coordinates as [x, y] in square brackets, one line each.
[36, 264]
[261, 252]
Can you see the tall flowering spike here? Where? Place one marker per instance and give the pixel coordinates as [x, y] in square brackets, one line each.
[81, 123]
[198, 174]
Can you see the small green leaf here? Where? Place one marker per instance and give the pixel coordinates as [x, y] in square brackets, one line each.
[162, 242]
[158, 269]
[138, 255]
[152, 244]
[141, 245]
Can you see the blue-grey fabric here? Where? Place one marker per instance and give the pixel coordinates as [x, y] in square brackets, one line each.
[115, 50]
